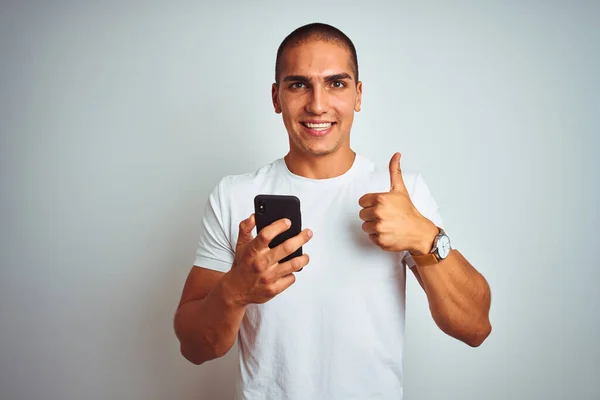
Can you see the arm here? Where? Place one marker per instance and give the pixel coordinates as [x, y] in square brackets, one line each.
[459, 296]
[207, 320]
[213, 303]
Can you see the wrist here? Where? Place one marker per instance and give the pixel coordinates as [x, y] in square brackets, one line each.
[229, 293]
[425, 238]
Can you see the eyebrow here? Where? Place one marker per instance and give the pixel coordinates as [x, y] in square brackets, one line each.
[300, 78]
[338, 77]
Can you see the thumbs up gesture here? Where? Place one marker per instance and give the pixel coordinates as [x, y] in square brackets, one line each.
[391, 219]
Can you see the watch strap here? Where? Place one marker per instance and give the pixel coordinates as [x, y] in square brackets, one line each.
[425, 259]
[431, 257]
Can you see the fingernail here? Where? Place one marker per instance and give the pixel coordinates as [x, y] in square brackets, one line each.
[309, 233]
[288, 222]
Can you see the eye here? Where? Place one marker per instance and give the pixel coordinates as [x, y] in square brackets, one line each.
[297, 85]
[338, 84]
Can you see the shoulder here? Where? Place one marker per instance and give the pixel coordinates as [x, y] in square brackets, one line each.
[235, 189]
[233, 182]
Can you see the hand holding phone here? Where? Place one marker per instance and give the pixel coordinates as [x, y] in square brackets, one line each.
[264, 265]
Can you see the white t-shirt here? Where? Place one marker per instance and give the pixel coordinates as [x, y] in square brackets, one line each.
[338, 331]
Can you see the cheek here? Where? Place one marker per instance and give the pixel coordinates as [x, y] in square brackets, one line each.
[291, 107]
[344, 105]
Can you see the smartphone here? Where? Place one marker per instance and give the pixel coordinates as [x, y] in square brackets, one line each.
[269, 208]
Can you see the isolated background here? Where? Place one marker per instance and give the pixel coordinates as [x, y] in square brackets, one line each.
[117, 119]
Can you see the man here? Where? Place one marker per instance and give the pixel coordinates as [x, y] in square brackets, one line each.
[335, 329]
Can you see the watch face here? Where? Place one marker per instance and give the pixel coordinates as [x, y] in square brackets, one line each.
[443, 246]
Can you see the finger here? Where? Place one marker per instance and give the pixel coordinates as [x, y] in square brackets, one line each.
[382, 240]
[269, 232]
[289, 246]
[369, 214]
[282, 284]
[377, 240]
[371, 227]
[396, 180]
[368, 200]
[245, 232]
[291, 266]
[374, 238]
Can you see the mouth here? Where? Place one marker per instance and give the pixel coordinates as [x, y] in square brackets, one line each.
[315, 128]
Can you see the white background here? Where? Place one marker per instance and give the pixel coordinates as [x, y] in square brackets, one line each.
[118, 118]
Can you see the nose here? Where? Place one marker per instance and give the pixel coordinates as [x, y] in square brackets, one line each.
[318, 102]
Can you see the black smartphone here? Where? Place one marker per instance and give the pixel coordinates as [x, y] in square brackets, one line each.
[269, 208]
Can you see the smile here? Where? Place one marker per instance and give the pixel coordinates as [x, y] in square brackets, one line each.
[318, 128]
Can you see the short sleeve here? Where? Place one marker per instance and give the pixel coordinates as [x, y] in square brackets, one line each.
[425, 203]
[214, 249]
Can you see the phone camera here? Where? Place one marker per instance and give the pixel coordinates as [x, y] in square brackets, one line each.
[262, 207]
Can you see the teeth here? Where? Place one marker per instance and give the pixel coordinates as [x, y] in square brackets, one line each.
[324, 125]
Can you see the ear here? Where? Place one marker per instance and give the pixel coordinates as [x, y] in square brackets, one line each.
[275, 98]
[358, 101]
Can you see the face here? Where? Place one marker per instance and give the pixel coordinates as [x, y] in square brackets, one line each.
[317, 96]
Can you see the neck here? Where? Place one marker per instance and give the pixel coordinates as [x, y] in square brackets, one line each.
[322, 166]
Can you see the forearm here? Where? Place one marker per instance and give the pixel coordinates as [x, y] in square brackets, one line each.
[208, 328]
[459, 298]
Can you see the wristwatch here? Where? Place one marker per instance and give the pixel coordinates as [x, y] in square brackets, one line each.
[440, 250]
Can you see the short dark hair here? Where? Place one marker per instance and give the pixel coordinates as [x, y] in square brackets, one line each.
[320, 32]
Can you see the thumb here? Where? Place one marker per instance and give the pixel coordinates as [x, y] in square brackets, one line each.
[246, 227]
[396, 181]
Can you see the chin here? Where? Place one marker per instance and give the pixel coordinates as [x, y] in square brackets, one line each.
[319, 147]
[320, 150]
[320, 153]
